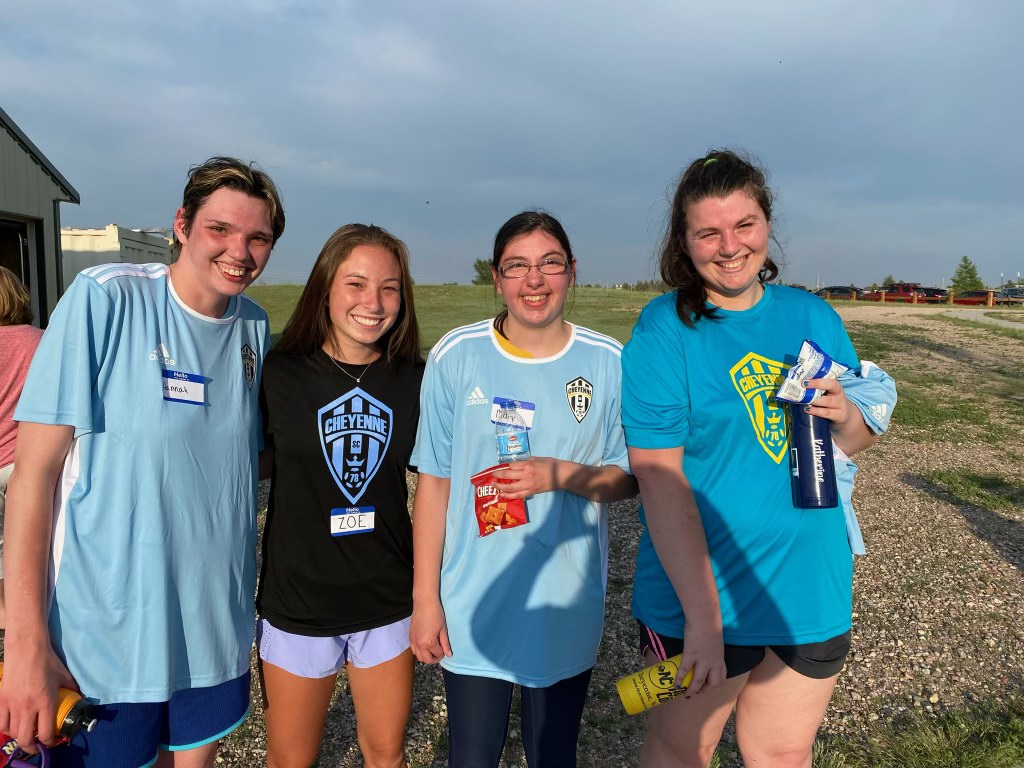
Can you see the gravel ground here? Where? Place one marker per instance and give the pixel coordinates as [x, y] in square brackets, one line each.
[938, 602]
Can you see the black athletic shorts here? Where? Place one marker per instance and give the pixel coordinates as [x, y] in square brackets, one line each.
[816, 660]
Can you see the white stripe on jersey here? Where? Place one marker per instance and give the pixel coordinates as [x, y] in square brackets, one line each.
[104, 272]
[68, 478]
[483, 329]
[454, 336]
[588, 336]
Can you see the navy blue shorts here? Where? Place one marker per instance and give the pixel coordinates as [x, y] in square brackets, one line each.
[131, 735]
[816, 660]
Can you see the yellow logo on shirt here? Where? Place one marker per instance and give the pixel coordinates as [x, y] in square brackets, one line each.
[757, 379]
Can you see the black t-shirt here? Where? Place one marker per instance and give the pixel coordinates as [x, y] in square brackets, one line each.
[338, 447]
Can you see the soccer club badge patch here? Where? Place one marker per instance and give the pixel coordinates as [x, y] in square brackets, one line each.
[756, 379]
[249, 364]
[354, 433]
[580, 394]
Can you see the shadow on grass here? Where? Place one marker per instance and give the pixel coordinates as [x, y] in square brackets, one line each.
[989, 504]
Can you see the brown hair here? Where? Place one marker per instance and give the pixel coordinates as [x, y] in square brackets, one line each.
[310, 324]
[718, 174]
[15, 302]
[227, 172]
[526, 223]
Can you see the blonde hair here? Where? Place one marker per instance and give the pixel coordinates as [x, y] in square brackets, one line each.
[15, 302]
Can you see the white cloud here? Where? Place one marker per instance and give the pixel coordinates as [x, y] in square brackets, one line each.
[891, 129]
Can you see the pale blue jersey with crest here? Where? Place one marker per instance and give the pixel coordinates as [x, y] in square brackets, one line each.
[523, 604]
[784, 575]
[153, 563]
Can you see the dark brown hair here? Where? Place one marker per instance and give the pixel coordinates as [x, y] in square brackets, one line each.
[522, 224]
[230, 173]
[15, 302]
[718, 174]
[310, 324]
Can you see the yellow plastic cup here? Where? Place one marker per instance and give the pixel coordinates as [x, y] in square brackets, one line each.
[652, 686]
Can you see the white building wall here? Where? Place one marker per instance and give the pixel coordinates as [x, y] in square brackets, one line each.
[84, 248]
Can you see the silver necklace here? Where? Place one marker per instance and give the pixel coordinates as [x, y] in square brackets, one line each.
[357, 379]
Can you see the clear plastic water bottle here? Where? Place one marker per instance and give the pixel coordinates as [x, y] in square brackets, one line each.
[511, 436]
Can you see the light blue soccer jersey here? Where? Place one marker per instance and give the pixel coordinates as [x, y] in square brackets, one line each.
[153, 564]
[523, 604]
[784, 574]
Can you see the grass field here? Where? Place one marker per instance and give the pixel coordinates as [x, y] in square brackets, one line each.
[927, 403]
[443, 307]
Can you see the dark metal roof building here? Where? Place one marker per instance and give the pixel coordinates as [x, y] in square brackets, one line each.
[31, 191]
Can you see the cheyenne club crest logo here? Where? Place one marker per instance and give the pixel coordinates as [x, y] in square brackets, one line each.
[580, 394]
[249, 364]
[354, 433]
[757, 379]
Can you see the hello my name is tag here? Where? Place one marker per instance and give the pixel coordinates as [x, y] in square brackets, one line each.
[348, 520]
[181, 387]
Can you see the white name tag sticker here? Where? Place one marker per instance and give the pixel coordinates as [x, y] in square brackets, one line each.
[181, 387]
[522, 407]
[349, 520]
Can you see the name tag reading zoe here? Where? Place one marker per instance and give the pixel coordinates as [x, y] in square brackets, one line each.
[180, 387]
[349, 520]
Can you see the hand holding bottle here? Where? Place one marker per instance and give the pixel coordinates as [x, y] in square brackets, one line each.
[654, 685]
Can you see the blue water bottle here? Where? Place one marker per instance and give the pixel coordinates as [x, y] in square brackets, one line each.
[810, 461]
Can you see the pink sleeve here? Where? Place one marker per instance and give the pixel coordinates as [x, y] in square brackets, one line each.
[17, 345]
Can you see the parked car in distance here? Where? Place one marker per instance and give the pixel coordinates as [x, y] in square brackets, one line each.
[839, 292]
[896, 292]
[971, 297]
[933, 295]
[1010, 296]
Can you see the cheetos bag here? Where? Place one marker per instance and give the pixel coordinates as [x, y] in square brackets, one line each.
[492, 511]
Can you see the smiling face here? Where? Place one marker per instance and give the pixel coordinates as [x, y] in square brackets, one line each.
[226, 247]
[727, 240]
[364, 302]
[535, 301]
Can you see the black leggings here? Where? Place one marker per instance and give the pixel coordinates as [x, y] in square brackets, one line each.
[478, 710]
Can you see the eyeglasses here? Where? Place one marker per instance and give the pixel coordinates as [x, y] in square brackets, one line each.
[516, 269]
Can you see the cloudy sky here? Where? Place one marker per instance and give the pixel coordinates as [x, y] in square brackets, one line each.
[892, 131]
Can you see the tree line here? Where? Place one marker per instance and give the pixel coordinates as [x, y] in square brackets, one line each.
[482, 276]
[965, 278]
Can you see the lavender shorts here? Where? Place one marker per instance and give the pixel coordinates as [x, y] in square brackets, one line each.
[318, 657]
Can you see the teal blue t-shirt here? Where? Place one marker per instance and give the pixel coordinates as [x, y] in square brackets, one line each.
[784, 574]
[153, 566]
[523, 604]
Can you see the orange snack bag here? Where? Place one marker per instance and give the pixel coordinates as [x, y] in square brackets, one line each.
[493, 512]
